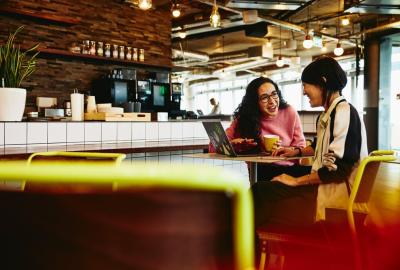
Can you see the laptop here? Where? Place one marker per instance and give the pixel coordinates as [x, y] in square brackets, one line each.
[200, 112]
[220, 141]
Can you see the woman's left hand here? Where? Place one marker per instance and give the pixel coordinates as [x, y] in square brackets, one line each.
[285, 152]
[285, 179]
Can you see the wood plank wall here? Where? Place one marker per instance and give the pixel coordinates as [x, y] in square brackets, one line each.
[110, 21]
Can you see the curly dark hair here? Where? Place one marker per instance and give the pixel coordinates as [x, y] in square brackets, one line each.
[248, 112]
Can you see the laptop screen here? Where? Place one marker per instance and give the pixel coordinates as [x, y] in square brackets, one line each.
[218, 138]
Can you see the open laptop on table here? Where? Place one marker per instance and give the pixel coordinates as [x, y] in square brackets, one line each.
[221, 143]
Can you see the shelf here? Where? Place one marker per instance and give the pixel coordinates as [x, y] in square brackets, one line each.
[39, 16]
[102, 59]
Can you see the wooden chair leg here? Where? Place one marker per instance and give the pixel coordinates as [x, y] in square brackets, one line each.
[264, 255]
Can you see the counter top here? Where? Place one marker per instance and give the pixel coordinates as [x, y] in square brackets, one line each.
[133, 147]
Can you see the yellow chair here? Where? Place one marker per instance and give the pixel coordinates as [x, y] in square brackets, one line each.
[113, 159]
[318, 236]
[158, 217]
[92, 156]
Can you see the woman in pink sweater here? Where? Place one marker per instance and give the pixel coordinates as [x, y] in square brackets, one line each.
[264, 111]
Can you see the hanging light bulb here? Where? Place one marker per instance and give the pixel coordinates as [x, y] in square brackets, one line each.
[176, 11]
[324, 48]
[338, 51]
[182, 34]
[215, 18]
[144, 4]
[345, 21]
[280, 62]
[307, 43]
[269, 43]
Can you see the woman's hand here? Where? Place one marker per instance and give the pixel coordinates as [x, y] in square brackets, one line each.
[285, 152]
[286, 179]
[243, 144]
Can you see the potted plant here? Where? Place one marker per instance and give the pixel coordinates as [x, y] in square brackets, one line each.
[15, 66]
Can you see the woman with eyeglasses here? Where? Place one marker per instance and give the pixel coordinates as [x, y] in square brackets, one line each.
[264, 111]
[341, 144]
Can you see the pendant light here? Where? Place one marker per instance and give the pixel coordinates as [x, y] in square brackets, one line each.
[215, 18]
[175, 9]
[144, 4]
[338, 51]
[307, 43]
[345, 21]
[280, 62]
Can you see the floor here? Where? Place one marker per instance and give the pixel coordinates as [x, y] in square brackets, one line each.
[385, 218]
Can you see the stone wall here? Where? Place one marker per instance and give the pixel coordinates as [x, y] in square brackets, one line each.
[110, 21]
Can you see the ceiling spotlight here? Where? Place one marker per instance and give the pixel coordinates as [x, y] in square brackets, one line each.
[215, 18]
[280, 62]
[144, 4]
[307, 43]
[176, 11]
[345, 21]
[338, 51]
[182, 34]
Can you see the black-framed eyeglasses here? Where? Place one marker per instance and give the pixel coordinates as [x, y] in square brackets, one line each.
[265, 97]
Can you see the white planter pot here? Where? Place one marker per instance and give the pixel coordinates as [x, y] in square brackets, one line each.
[12, 104]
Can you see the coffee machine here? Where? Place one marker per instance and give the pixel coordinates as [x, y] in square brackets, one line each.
[117, 88]
[176, 96]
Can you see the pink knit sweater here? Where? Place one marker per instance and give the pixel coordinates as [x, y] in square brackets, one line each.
[286, 125]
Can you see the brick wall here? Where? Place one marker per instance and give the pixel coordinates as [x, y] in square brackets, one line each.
[109, 21]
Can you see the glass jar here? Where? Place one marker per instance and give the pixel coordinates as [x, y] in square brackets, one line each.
[100, 50]
[107, 51]
[92, 49]
[122, 52]
[115, 51]
[135, 54]
[141, 55]
[128, 53]
[85, 47]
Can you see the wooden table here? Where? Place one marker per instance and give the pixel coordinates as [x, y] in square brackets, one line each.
[252, 161]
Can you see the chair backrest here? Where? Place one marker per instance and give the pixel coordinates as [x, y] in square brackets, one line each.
[366, 175]
[91, 156]
[111, 159]
[158, 217]
[363, 184]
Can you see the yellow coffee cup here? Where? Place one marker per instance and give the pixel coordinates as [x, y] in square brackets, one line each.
[269, 141]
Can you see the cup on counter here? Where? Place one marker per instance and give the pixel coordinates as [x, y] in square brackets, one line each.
[91, 104]
[269, 141]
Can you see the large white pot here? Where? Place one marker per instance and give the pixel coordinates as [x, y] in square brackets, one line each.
[12, 104]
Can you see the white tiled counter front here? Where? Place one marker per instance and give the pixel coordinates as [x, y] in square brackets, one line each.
[19, 138]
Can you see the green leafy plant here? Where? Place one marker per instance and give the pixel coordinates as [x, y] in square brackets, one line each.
[16, 65]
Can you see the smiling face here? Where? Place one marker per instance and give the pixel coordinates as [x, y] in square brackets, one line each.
[268, 100]
[314, 94]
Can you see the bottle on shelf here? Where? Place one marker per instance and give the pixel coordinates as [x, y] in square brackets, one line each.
[92, 49]
[100, 50]
[115, 51]
[141, 55]
[135, 54]
[107, 51]
[122, 52]
[128, 53]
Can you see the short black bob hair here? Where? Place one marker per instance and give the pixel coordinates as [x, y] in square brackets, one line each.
[326, 73]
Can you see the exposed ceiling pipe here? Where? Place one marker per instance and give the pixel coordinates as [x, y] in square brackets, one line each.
[380, 28]
[193, 55]
[269, 19]
[242, 66]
